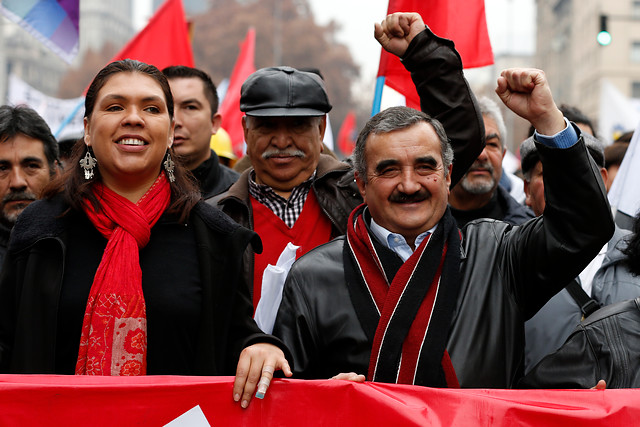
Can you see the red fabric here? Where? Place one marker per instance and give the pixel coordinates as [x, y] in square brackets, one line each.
[312, 228]
[387, 296]
[114, 328]
[412, 345]
[230, 107]
[37, 400]
[449, 372]
[348, 134]
[462, 21]
[164, 41]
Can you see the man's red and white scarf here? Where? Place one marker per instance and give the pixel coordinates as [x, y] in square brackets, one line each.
[114, 329]
[413, 311]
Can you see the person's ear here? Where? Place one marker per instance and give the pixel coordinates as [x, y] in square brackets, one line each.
[322, 124]
[448, 178]
[527, 192]
[245, 130]
[362, 186]
[57, 169]
[87, 133]
[171, 133]
[605, 174]
[216, 122]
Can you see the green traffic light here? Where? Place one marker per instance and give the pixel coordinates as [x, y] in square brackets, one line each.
[604, 38]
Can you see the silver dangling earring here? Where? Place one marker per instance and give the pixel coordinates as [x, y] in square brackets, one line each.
[88, 162]
[169, 167]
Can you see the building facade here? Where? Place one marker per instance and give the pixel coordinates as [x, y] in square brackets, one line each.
[578, 68]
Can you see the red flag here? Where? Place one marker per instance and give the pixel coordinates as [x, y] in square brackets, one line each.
[164, 41]
[347, 134]
[462, 21]
[230, 108]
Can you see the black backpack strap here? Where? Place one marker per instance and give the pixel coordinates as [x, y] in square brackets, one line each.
[587, 304]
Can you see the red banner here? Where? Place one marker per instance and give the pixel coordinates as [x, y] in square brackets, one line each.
[35, 400]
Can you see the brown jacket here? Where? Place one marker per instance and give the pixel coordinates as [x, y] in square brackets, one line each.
[334, 187]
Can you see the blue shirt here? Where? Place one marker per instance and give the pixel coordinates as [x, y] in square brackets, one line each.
[397, 242]
[564, 139]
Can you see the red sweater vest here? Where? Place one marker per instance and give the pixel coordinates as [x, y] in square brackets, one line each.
[312, 228]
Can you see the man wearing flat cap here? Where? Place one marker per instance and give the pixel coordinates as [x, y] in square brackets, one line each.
[294, 193]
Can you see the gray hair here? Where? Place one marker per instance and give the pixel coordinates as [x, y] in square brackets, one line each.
[396, 118]
[489, 108]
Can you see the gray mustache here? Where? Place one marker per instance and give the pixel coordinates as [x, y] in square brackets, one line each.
[482, 165]
[18, 195]
[274, 152]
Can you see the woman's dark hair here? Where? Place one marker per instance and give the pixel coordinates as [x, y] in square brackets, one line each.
[632, 251]
[75, 188]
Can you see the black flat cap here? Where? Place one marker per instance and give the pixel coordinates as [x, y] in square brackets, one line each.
[284, 91]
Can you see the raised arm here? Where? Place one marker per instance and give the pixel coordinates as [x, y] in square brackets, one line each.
[436, 70]
[543, 255]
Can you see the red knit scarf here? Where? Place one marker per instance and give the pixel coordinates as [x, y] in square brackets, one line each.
[414, 311]
[114, 328]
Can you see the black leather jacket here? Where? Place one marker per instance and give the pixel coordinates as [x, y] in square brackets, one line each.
[507, 272]
[511, 211]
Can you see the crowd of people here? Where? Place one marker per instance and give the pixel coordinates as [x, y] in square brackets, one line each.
[413, 264]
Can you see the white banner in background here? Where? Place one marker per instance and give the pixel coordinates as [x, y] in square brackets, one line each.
[625, 191]
[54, 110]
[618, 113]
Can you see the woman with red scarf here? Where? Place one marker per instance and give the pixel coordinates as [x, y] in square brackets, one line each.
[120, 269]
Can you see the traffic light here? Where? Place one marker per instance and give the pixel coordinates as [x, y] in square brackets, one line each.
[604, 37]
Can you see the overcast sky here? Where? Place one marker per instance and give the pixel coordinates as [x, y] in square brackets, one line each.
[511, 27]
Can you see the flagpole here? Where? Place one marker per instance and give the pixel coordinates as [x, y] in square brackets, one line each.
[377, 97]
[68, 119]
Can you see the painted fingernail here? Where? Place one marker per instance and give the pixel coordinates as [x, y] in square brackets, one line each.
[236, 397]
[244, 404]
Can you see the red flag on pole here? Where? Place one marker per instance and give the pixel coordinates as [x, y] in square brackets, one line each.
[164, 41]
[462, 21]
[347, 134]
[230, 108]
